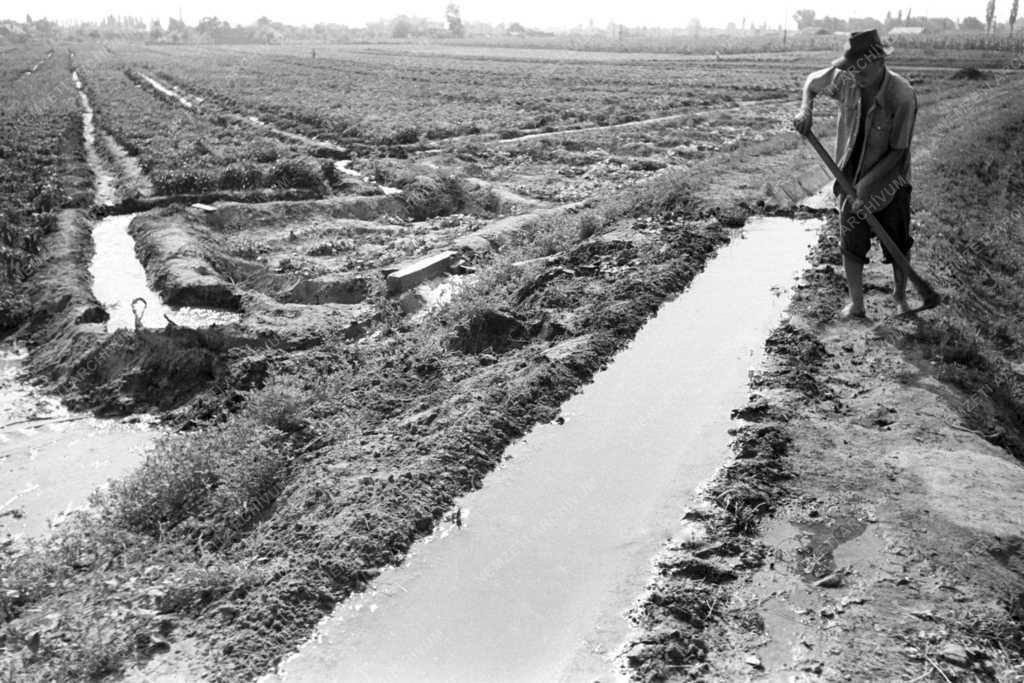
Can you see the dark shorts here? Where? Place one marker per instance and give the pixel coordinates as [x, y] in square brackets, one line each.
[855, 233]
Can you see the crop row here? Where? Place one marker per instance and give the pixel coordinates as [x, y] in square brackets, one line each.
[394, 97]
[17, 62]
[42, 167]
[186, 151]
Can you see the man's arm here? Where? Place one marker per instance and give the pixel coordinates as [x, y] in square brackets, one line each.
[818, 83]
[870, 189]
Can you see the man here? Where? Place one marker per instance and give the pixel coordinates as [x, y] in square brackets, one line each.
[877, 110]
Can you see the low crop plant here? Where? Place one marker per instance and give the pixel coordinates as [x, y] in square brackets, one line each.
[219, 478]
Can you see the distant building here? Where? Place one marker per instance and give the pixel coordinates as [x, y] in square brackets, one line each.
[906, 30]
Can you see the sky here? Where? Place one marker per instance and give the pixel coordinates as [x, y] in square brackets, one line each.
[532, 13]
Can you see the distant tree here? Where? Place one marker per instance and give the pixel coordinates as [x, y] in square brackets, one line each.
[694, 27]
[211, 25]
[990, 15]
[1013, 15]
[454, 18]
[804, 18]
[937, 24]
[156, 31]
[899, 18]
[863, 23]
[515, 28]
[833, 24]
[971, 24]
[401, 27]
[888, 20]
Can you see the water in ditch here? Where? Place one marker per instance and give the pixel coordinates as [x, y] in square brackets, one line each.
[556, 545]
[119, 281]
[51, 458]
[344, 167]
[105, 181]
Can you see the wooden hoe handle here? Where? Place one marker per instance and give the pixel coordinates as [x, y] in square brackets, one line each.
[929, 296]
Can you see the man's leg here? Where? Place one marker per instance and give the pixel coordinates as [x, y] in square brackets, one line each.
[854, 268]
[899, 287]
[895, 218]
[854, 242]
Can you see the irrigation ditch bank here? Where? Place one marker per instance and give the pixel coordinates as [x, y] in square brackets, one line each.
[394, 428]
[870, 525]
[547, 556]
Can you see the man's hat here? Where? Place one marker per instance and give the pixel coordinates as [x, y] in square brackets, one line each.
[863, 47]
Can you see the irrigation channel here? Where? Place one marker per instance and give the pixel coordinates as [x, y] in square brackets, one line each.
[552, 550]
[51, 458]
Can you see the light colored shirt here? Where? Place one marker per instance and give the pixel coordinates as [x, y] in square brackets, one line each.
[888, 126]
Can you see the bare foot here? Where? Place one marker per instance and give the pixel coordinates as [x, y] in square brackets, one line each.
[901, 303]
[850, 311]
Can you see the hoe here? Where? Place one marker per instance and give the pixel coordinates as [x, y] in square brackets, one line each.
[929, 297]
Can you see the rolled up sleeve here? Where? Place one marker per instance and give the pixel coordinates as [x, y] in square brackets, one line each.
[903, 119]
[825, 82]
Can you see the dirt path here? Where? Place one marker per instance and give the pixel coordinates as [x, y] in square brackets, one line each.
[894, 551]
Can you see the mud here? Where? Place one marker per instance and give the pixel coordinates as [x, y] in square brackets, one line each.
[184, 254]
[75, 357]
[868, 527]
[845, 524]
[52, 459]
[176, 255]
[343, 167]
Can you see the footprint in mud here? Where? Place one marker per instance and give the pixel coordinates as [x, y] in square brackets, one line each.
[881, 416]
[814, 559]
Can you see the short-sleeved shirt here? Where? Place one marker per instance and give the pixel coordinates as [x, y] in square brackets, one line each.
[888, 125]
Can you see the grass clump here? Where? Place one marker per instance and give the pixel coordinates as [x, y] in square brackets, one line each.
[216, 478]
[434, 195]
[216, 482]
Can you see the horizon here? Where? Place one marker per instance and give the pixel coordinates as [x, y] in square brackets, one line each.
[530, 13]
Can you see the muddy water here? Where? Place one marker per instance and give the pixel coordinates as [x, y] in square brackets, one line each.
[343, 167]
[557, 544]
[119, 279]
[167, 91]
[106, 185]
[51, 459]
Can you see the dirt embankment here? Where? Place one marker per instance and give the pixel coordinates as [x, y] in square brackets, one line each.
[111, 373]
[870, 527]
[176, 255]
[61, 289]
